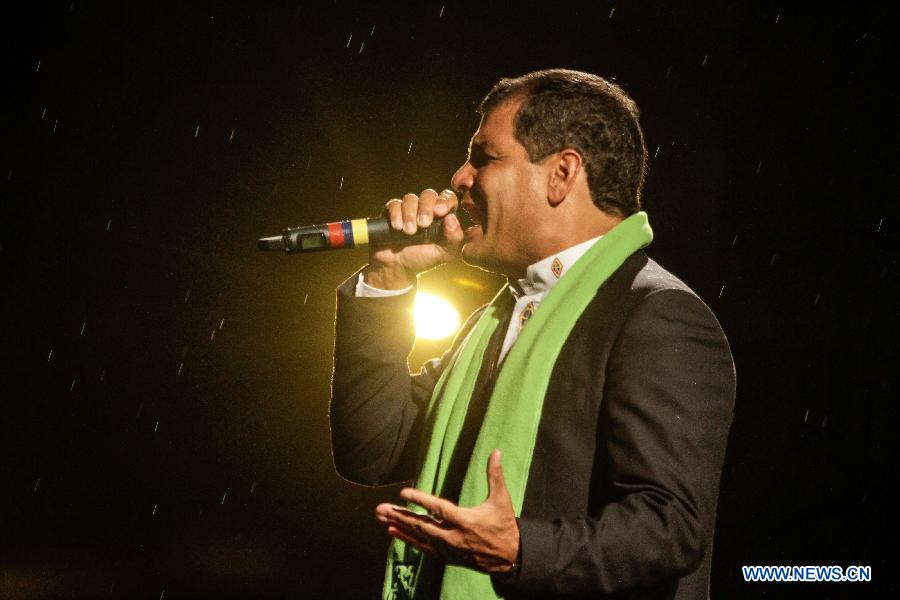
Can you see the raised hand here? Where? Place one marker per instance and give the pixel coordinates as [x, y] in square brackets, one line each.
[484, 537]
[396, 267]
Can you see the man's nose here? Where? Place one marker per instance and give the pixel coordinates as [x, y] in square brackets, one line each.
[461, 181]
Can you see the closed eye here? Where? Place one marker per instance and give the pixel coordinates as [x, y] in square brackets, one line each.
[480, 159]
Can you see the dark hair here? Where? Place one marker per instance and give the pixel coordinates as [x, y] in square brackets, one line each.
[571, 109]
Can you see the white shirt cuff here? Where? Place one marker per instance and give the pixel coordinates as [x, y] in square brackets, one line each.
[364, 290]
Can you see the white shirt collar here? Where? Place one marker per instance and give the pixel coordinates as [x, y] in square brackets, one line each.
[541, 276]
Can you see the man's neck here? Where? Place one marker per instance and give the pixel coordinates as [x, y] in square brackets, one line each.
[554, 241]
[543, 274]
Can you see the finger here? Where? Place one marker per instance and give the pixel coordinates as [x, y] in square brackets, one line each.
[496, 482]
[439, 507]
[416, 516]
[420, 525]
[392, 211]
[450, 199]
[389, 513]
[425, 212]
[409, 208]
[410, 539]
[384, 512]
[442, 204]
[453, 231]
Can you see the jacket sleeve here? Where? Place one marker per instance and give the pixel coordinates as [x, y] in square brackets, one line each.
[377, 406]
[665, 412]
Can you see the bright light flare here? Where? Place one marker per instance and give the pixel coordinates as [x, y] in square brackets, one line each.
[435, 318]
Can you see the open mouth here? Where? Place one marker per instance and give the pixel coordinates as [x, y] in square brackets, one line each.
[474, 218]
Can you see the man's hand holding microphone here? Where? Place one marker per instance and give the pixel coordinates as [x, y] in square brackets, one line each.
[396, 267]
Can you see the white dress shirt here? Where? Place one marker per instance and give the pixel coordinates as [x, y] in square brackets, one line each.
[529, 291]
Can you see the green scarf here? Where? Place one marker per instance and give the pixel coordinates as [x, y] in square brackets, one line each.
[514, 411]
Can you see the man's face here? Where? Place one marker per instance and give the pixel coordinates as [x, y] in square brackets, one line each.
[503, 192]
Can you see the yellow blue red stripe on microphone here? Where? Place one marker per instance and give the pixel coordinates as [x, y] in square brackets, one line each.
[360, 232]
[348, 234]
[335, 235]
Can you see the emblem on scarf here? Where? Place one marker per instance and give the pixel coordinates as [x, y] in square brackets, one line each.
[404, 580]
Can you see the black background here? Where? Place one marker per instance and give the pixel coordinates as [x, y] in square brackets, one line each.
[165, 384]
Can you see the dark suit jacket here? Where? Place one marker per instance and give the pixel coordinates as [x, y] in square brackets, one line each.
[621, 494]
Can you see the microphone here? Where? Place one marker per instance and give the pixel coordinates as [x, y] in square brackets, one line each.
[353, 233]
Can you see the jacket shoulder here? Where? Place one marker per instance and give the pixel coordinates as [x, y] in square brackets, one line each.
[653, 278]
[639, 277]
[653, 288]
[642, 283]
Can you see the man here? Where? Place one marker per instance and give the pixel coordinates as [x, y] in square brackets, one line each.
[602, 382]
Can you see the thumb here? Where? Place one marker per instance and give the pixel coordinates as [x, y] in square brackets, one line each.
[496, 483]
[453, 233]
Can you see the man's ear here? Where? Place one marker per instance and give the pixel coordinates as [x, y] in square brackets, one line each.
[565, 168]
